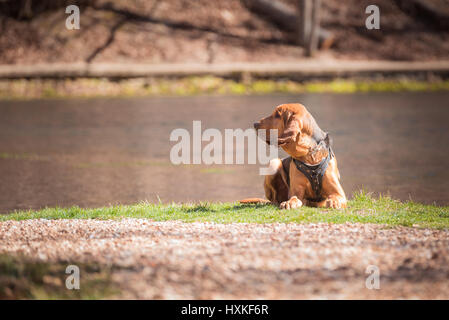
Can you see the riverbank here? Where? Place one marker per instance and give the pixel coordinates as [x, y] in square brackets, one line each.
[26, 89]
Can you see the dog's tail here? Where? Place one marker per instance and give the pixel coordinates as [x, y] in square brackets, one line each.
[254, 201]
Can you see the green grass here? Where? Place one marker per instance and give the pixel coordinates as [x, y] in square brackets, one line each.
[21, 156]
[363, 208]
[193, 85]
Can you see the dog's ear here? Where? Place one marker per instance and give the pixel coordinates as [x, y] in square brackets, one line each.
[291, 129]
[328, 140]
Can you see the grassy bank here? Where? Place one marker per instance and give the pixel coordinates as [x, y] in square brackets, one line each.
[188, 86]
[362, 209]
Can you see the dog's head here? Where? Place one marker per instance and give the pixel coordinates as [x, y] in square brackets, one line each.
[298, 133]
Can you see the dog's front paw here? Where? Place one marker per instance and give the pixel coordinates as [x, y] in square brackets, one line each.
[293, 203]
[335, 203]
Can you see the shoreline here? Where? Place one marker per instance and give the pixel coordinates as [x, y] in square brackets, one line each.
[27, 89]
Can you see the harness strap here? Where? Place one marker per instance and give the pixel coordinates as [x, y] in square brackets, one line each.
[315, 173]
[286, 166]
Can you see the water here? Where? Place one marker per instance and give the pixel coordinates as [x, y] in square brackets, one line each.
[97, 152]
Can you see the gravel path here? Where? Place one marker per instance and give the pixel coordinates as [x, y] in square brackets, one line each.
[172, 260]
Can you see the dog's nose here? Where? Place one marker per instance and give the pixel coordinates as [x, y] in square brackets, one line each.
[256, 125]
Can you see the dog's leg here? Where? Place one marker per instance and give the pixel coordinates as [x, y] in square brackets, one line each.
[275, 187]
[291, 203]
[334, 196]
[296, 191]
[296, 198]
[333, 201]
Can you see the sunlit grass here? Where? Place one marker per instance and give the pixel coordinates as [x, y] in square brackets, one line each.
[190, 86]
[363, 208]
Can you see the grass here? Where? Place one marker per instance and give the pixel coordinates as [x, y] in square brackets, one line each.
[363, 208]
[21, 156]
[22, 278]
[190, 86]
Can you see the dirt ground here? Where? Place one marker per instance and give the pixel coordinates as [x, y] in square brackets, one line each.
[175, 260]
[204, 31]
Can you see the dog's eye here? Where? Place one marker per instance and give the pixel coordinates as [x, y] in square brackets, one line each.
[277, 115]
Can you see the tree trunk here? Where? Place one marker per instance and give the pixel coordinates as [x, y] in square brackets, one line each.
[26, 10]
[304, 21]
[314, 27]
[287, 19]
[308, 24]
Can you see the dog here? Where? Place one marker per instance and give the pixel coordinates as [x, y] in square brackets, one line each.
[309, 176]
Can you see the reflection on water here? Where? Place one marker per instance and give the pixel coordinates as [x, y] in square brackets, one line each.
[106, 151]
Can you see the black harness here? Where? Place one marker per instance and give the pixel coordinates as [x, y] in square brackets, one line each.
[315, 173]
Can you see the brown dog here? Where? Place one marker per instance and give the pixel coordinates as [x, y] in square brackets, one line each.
[310, 175]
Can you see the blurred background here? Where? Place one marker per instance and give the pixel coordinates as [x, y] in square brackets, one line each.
[154, 31]
[86, 114]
